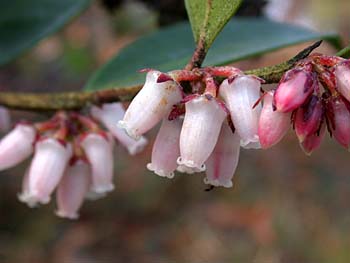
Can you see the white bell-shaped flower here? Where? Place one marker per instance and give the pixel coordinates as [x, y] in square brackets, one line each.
[110, 114]
[150, 105]
[46, 170]
[99, 152]
[240, 97]
[72, 189]
[16, 146]
[222, 163]
[200, 131]
[166, 148]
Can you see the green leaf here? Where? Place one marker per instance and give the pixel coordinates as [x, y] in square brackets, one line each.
[171, 48]
[23, 22]
[208, 17]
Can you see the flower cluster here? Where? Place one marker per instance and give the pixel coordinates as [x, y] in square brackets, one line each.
[202, 130]
[204, 127]
[72, 154]
[206, 115]
[315, 94]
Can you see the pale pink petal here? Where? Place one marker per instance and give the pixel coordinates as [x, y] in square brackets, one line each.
[223, 161]
[110, 114]
[46, 170]
[342, 75]
[166, 148]
[151, 104]
[273, 125]
[341, 120]
[99, 152]
[16, 146]
[24, 196]
[72, 189]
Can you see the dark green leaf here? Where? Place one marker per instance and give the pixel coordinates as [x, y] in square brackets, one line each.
[172, 47]
[208, 17]
[23, 22]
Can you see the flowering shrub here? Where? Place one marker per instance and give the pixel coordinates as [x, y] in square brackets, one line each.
[206, 113]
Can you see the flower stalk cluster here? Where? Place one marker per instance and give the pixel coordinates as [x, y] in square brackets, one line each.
[72, 154]
[314, 97]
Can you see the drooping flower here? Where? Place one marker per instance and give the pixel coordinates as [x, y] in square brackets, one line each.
[342, 76]
[151, 104]
[308, 118]
[273, 125]
[240, 97]
[110, 114]
[293, 90]
[223, 161]
[340, 121]
[17, 145]
[46, 170]
[313, 141]
[72, 190]
[166, 148]
[99, 152]
[200, 131]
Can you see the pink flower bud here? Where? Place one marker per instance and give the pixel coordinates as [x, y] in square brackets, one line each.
[342, 76]
[151, 104]
[109, 114]
[166, 149]
[308, 118]
[340, 123]
[240, 97]
[16, 146]
[46, 170]
[294, 88]
[313, 141]
[273, 125]
[72, 189]
[200, 131]
[223, 161]
[5, 120]
[99, 151]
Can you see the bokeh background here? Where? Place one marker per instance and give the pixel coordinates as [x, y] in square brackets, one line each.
[284, 206]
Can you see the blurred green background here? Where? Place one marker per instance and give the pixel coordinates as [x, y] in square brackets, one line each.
[284, 207]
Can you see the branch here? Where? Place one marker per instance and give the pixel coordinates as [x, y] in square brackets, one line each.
[273, 74]
[65, 100]
[80, 99]
[345, 52]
